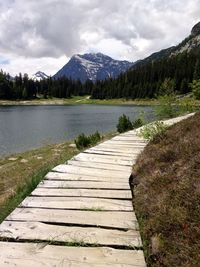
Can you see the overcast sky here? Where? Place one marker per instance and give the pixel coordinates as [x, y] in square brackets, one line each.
[43, 34]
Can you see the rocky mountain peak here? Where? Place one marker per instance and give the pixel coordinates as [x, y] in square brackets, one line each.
[196, 29]
[92, 66]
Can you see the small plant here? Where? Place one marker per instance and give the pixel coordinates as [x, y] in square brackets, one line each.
[186, 105]
[137, 123]
[196, 88]
[124, 124]
[167, 107]
[153, 129]
[95, 138]
[83, 141]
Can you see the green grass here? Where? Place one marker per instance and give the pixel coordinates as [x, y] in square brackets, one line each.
[77, 100]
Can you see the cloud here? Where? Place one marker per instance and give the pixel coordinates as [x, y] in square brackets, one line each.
[34, 31]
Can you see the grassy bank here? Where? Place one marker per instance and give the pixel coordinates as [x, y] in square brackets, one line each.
[77, 100]
[166, 186]
[20, 173]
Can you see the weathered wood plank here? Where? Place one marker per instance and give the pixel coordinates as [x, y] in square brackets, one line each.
[80, 177]
[40, 255]
[104, 159]
[84, 184]
[128, 151]
[110, 152]
[82, 235]
[78, 203]
[118, 148]
[93, 151]
[112, 219]
[97, 165]
[90, 171]
[90, 193]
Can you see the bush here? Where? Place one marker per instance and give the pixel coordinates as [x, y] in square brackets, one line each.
[167, 107]
[186, 105]
[137, 123]
[83, 141]
[196, 88]
[153, 129]
[95, 138]
[124, 124]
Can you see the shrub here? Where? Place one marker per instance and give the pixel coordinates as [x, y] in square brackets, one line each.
[186, 104]
[124, 124]
[153, 129]
[137, 123]
[83, 141]
[167, 107]
[196, 88]
[95, 138]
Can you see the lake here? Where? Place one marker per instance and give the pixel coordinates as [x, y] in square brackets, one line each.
[27, 127]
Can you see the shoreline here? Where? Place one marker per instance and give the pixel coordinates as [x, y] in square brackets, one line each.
[77, 101]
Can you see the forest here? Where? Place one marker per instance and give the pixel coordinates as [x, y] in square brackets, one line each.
[143, 80]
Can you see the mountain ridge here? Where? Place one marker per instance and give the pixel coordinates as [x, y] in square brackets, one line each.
[92, 66]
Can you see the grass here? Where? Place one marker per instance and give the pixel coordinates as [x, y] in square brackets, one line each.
[166, 187]
[77, 100]
[20, 173]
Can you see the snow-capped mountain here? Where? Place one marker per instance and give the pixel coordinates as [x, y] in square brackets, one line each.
[39, 75]
[93, 67]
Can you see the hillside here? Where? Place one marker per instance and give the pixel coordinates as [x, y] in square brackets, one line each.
[174, 66]
[166, 185]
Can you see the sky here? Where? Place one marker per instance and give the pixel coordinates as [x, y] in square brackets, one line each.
[42, 35]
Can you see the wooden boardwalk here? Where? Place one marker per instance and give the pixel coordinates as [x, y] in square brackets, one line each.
[81, 214]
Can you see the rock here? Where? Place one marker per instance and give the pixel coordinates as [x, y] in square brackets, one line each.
[12, 159]
[72, 145]
[196, 29]
[23, 160]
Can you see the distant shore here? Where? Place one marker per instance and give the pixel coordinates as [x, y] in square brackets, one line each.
[77, 100]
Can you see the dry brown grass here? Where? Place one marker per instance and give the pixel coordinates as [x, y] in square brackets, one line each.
[19, 176]
[166, 186]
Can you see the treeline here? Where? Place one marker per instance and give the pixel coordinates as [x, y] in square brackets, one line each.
[159, 77]
[22, 87]
[152, 79]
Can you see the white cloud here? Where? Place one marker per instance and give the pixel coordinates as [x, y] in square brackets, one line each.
[39, 35]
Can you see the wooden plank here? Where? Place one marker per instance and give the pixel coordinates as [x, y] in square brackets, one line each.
[113, 154]
[80, 177]
[97, 165]
[79, 203]
[117, 150]
[40, 255]
[111, 194]
[110, 152]
[84, 184]
[90, 171]
[112, 219]
[130, 138]
[83, 235]
[120, 144]
[104, 159]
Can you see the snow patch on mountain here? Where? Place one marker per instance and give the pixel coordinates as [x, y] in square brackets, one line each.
[92, 67]
[39, 75]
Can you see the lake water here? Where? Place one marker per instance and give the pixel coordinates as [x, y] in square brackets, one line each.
[26, 127]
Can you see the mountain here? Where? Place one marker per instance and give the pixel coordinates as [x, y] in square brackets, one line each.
[169, 70]
[92, 67]
[188, 44]
[39, 75]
